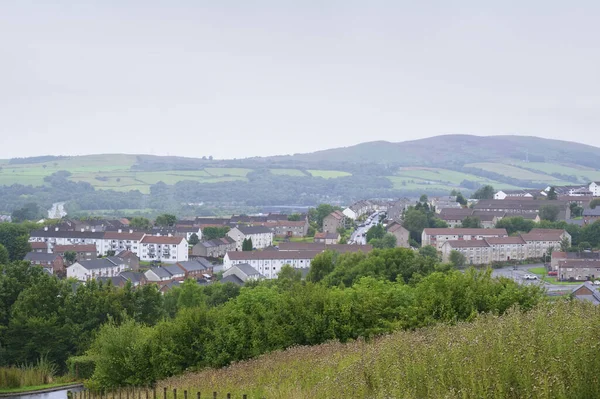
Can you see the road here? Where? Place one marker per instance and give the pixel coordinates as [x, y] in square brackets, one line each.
[519, 273]
[358, 236]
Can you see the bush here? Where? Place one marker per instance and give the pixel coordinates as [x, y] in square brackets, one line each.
[81, 366]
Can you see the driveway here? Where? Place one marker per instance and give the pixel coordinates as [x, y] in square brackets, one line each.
[519, 273]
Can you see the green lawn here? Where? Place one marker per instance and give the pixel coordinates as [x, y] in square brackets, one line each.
[328, 174]
[36, 387]
[403, 183]
[538, 270]
[516, 172]
[277, 240]
[288, 172]
[541, 271]
[582, 174]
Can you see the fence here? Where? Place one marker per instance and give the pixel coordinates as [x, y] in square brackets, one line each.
[142, 393]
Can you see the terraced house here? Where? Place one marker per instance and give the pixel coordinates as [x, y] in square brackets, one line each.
[438, 236]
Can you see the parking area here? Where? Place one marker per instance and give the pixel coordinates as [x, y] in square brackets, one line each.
[519, 273]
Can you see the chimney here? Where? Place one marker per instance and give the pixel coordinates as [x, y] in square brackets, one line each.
[56, 229]
[82, 230]
[46, 228]
[93, 230]
[130, 231]
[120, 231]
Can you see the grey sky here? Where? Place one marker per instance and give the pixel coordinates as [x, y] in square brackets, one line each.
[246, 78]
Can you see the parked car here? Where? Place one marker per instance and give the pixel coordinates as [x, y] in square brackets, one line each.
[553, 273]
[530, 277]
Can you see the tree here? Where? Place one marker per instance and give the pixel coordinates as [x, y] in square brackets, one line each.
[15, 239]
[294, 217]
[211, 233]
[485, 192]
[552, 194]
[584, 246]
[565, 244]
[429, 251]
[576, 210]
[4, 257]
[549, 212]
[320, 212]
[247, 244]
[70, 257]
[459, 197]
[517, 224]
[194, 239]
[471, 222]
[594, 203]
[375, 232]
[140, 223]
[321, 266]
[31, 211]
[457, 259]
[387, 241]
[166, 220]
[415, 221]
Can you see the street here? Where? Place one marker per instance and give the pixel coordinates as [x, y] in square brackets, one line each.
[359, 235]
[519, 273]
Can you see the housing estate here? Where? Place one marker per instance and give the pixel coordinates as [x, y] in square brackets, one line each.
[53, 262]
[437, 236]
[91, 269]
[334, 221]
[520, 206]
[578, 269]
[214, 248]
[82, 252]
[269, 263]
[164, 249]
[327, 238]
[520, 193]
[240, 273]
[287, 228]
[402, 235]
[261, 236]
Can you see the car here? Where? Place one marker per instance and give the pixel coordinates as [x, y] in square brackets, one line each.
[553, 273]
[530, 277]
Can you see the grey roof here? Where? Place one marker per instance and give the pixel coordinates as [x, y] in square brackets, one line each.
[594, 298]
[101, 263]
[174, 269]
[40, 257]
[254, 230]
[134, 277]
[217, 242]
[115, 280]
[195, 265]
[232, 279]
[161, 272]
[68, 234]
[592, 212]
[247, 269]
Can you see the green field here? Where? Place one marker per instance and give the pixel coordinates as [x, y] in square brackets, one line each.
[328, 174]
[241, 172]
[584, 175]
[288, 172]
[517, 173]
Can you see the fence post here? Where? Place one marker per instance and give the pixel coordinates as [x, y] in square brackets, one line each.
[139, 394]
[119, 393]
[228, 396]
[174, 393]
[245, 396]
[165, 393]
[214, 395]
[126, 393]
[153, 392]
[185, 394]
[146, 393]
[198, 395]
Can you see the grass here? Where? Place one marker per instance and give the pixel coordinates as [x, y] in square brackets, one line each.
[545, 353]
[442, 175]
[277, 240]
[36, 387]
[584, 175]
[541, 271]
[217, 172]
[37, 374]
[517, 173]
[538, 270]
[288, 172]
[403, 183]
[328, 174]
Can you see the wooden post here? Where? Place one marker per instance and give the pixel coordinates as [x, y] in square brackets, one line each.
[146, 393]
[119, 393]
[198, 395]
[245, 396]
[139, 394]
[184, 394]
[214, 395]
[228, 396]
[174, 393]
[126, 393]
[165, 393]
[153, 392]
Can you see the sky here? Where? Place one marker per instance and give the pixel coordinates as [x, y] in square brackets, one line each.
[236, 79]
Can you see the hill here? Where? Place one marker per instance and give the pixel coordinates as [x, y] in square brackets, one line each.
[540, 354]
[379, 169]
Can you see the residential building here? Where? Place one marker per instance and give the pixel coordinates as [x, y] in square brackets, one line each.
[313, 246]
[358, 209]
[454, 216]
[541, 241]
[188, 231]
[578, 269]
[587, 292]
[198, 267]
[39, 247]
[164, 249]
[118, 241]
[136, 278]
[214, 248]
[53, 262]
[520, 193]
[82, 252]
[287, 228]
[558, 256]
[131, 259]
[269, 263]
[581, 200]
[437, 236]
[487, 250]
[243, 271]
[334, 221]
[446, 202]
[327, 238]
[232, 278]
[101, 267]
[594, 188]
[402, 235]
[261, 236]
[522, 206]
[163, 274]
[477, 252]
[568, 190]
[591, 215]
[55, 236]
[396, 209]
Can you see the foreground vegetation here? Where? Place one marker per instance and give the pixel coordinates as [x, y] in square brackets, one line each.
[34, 375]
[548, 352]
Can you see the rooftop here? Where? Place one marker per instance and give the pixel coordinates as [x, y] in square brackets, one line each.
[464, 231]
[75, 248]
[247, 230]
[41, 257]
[162, 240]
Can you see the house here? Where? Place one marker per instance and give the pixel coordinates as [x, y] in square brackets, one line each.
[591, 215]
[454, 216]
[523, 206]
[358, 209]
[587, 292]
[164, 249]
[487, 250]
[117, 281]
[118, 241]
[396, 209]
[402, 235]
[55, 236]
[199, 267]
[214, 248]
[334, 221]
[131, 259]
[327, 238]
[568, 190]
[437, 236]
[82, 251]
[136, 278]
[162, 274]
[594, 188]
[243, 271]
[91, 269]
[287, 228]
[578, 269]
[558, 256]
[446, 202]
[232, 278]
[261, 236]
[521, 193]
[541, 241]
[581, 200]
[39, 247]
[55, 262]
[188, 231]
[313, 246]
[269, 263]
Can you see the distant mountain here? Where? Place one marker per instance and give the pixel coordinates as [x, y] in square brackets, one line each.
[459, 150]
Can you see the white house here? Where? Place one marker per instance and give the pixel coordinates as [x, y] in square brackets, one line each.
[243, 271]
[165, 273]
[261, 236]
[502, 194]
[90, 269]
[595, 188]
[55, 236]
[269, 263]
[164, 249]
[349, 213]
[119, 241]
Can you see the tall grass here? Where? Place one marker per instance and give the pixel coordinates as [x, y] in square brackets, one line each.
[549, 352]
[27, 375]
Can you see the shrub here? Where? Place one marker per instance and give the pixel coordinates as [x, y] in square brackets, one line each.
[81, 366]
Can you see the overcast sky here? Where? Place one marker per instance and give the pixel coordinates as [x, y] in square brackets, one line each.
[247, 78]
